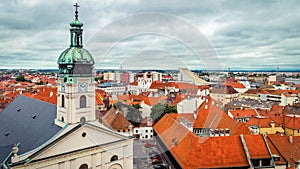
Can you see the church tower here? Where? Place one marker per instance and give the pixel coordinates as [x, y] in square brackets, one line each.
[76, 88]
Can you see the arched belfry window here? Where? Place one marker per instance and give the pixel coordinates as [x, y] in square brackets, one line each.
[82, 101]
[62, 100]
[84, 166]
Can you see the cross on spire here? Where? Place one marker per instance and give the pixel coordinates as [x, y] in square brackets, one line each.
[76, 10]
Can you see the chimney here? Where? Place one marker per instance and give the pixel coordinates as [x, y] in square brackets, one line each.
[272, 124]
[291, 139]
[149, 121]
[195, 114]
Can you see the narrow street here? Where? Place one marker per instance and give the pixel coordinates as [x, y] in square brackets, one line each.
[141, 153]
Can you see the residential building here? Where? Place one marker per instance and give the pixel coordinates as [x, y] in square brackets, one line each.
[116, 121]
[263, 125]
[242, 115]
[189, 104]
[112, 88]
[224, 94]
[145, 130]
[211, 121]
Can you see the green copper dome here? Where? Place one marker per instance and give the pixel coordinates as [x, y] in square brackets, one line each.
[75, 55]
[76, 23]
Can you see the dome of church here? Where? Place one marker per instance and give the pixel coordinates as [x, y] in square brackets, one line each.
[75, 55]
[76, 23]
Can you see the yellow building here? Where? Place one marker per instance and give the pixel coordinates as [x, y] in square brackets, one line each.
[263, 125]
[291, 125]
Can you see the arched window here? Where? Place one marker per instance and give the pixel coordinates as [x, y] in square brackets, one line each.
[114, 158]
[82, 101]
[84, 166]
[62, 119]
[62, 100]
[82, 120]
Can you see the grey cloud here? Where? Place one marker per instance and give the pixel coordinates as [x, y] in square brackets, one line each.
[240, 31]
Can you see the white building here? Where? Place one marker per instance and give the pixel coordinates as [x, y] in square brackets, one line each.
[109, 76]
[112, 88]
[145, 130]
[189, 105]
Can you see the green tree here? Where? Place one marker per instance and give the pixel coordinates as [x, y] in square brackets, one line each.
[20, 78]
[134, 116]
[159, 110]
[40, 83]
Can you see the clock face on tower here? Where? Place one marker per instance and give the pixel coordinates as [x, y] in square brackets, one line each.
[82, 86]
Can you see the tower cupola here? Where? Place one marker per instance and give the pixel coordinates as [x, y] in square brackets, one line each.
[75, 61]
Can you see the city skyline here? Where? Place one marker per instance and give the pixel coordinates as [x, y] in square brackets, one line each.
[244, 35]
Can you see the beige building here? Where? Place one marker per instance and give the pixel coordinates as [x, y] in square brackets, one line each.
[224, 94]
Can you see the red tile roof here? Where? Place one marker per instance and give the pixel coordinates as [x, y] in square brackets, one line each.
[211, 116]
[224, 90]
[124, 97]
[290, 151]
[151, 101]
[99, 99]
[187, 116]
[243, 113]
[274, 151]
[115, 120]
[191, 151]
[292, 122]
[204, 87]
[234, 84]
[134, 83]
[158, 85]
[46, 94]
[279, 92]
[144, 122]
[256, 146]
[261, 122]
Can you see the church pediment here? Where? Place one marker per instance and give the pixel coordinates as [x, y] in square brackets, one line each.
[79, 138]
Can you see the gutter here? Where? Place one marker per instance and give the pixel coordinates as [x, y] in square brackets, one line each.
[246, 151]
[269, 150]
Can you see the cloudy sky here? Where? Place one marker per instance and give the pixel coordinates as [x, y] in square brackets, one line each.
[154, 34]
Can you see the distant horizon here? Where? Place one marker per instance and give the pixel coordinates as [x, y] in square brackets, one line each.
[222, 70]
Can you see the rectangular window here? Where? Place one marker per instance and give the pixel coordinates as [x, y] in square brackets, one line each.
[266, 162]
